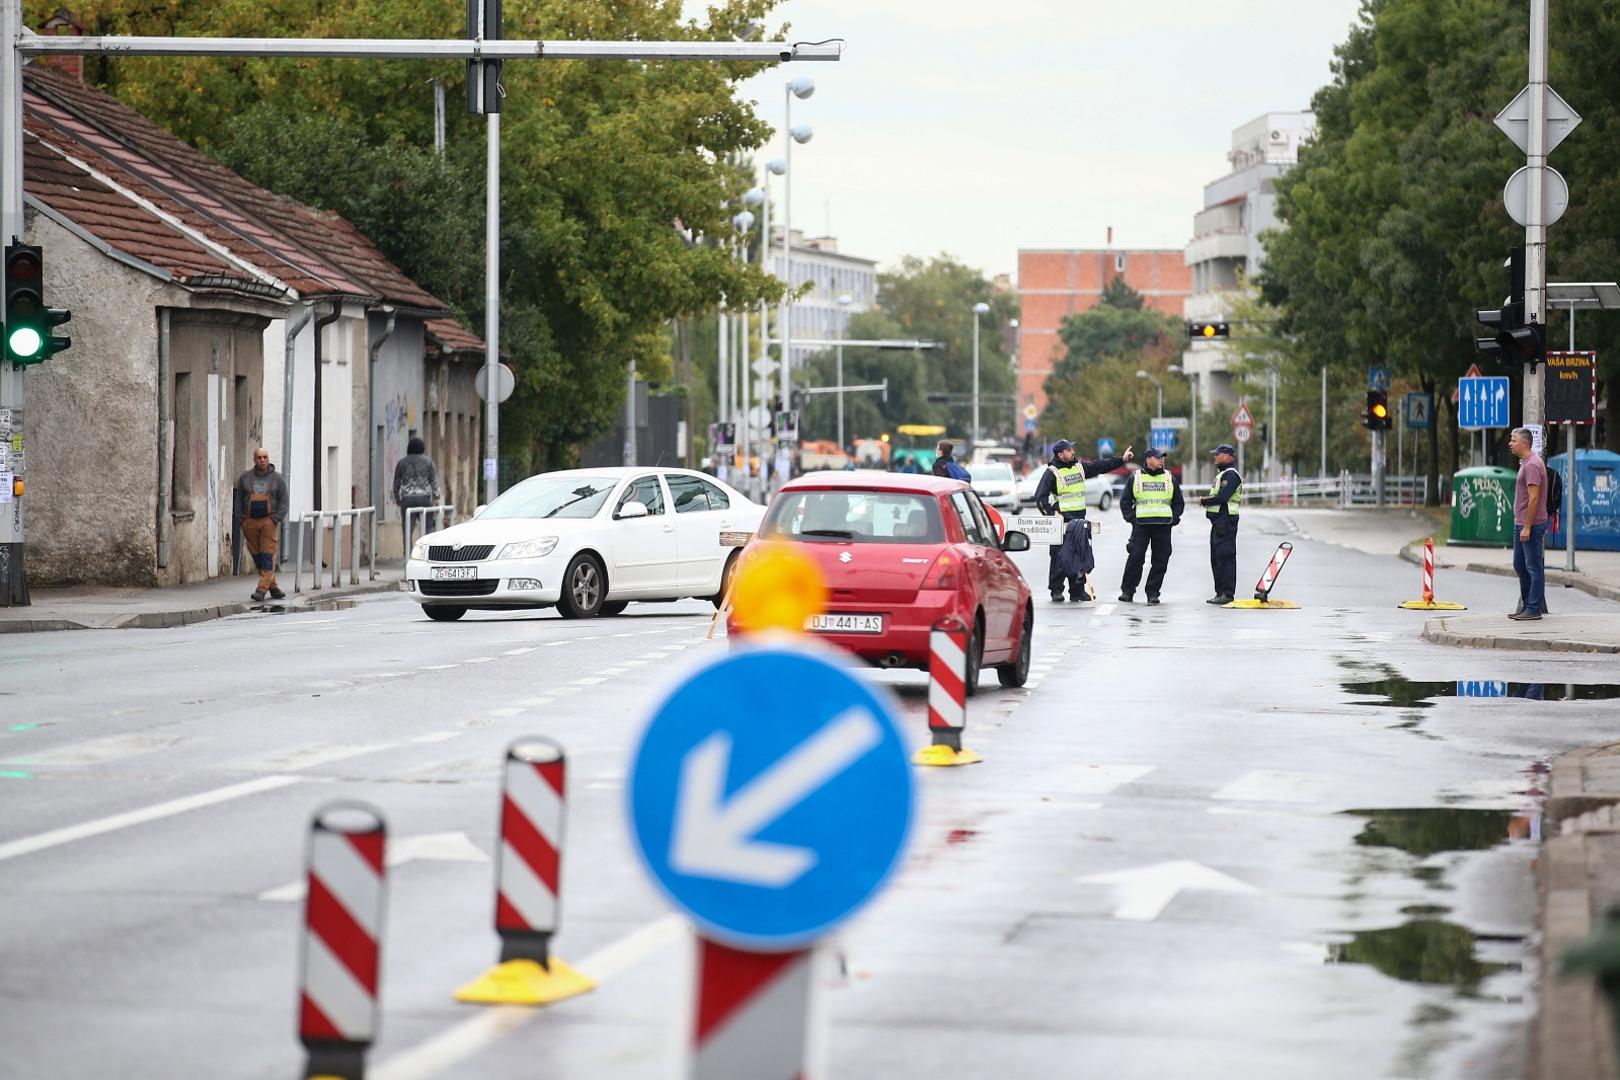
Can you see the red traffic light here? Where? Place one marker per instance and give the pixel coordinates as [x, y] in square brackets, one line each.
[22, 266]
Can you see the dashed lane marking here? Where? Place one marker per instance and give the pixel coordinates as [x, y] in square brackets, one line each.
[590, 680]
[523, 651]
[505, 713]
[480, 660]
[304, 756]
[436, 737]
[1104, 779]
[101, 826]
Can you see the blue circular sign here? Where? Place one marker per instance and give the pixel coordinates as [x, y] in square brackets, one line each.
[771, 796]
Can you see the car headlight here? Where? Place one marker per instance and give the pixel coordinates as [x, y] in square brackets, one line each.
[419, 551]
[529, 549]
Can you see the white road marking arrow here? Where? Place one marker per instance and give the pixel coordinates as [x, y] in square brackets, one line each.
[432, 847]
[1146, 891]
[713, 835]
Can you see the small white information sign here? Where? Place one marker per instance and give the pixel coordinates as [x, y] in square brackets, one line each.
[1038, 527]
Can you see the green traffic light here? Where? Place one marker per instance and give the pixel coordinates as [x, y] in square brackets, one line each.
[24, 342]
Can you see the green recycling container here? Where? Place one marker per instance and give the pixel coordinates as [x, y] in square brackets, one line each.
[1482, 507]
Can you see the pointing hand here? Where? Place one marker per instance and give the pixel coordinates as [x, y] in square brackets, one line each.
[1128, 455]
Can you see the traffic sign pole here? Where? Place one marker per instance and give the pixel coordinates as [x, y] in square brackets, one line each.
[752, 1020]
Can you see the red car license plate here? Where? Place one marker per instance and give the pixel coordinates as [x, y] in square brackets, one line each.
[845, 624]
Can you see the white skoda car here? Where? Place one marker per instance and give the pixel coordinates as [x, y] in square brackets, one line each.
[588, 541]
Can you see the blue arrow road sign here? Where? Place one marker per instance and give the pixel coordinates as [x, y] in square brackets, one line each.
[771, 797]
[1105, 447]
[1482, 402]
[1378, 378]
[1163, 438]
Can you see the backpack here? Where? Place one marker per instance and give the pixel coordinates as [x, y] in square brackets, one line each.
[1555, 498]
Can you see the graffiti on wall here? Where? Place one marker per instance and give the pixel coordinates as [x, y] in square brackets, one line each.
[398, 420]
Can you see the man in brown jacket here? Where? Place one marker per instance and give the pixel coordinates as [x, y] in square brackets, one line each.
[261, 495]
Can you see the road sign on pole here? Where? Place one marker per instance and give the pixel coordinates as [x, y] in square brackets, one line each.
[1243, 433]
[1482, 402]
[1242, 418]
[1419, 408]
[1105, 447]
[1559, 121]
[1378, 377]
[771, 831]
[1571, 387]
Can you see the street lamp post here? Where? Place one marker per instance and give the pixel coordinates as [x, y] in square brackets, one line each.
[742, 222]
[800, 88]
[844, 301]
[1194, 459]
[979, 309]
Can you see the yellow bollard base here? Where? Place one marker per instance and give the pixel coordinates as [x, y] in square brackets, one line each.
[944, 757]
[524, 982]
[1432, 605]
[1262, 604]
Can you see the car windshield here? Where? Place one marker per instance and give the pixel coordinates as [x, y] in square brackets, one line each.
[988, 471]
[866, 517]
[553, 497]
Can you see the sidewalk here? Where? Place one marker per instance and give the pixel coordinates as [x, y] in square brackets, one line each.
[1578, 877]
[99, 608]
[1597, 572]
[1556, 633]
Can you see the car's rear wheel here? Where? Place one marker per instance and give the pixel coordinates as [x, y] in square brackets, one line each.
[719, 598]
[975, 657]
[443, 612]
[615, 607]
[1016, 674]
[583, 589]
[1106, 501]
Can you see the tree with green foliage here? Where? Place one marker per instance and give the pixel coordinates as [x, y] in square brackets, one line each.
[1093, 391]
[613, 173]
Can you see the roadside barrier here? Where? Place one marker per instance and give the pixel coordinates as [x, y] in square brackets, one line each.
[343, 918]
[528, 874]
[416, 517]
[947, 696]
[1429, 603]
[1268, 580]
[752, 1014]
[314, 522]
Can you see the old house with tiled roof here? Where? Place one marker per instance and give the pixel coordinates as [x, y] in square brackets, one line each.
[210, 316]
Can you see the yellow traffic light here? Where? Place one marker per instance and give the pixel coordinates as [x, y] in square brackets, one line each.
[1209, 330]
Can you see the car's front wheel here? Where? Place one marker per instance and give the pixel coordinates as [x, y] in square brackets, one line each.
[1016, 674]
[1106, 501]
[583, 589]
[443, 612]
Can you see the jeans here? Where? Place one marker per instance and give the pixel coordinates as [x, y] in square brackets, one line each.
[1529, 562]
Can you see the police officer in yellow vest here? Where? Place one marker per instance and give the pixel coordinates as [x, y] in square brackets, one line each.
[1222, 505]
[1152, 504]
[1062, 490]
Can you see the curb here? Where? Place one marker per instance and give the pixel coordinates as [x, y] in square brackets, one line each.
[163, 620]
[1413, 553]
[1435, 631]
[1572, 1035]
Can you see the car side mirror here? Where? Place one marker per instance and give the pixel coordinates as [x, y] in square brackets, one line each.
[1015, 541]
[631, 510]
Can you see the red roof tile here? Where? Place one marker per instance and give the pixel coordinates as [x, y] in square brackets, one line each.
[452, 337]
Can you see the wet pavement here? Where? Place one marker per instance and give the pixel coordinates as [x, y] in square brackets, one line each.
[1202, 843]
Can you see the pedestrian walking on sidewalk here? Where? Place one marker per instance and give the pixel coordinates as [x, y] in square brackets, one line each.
[261, 493]
[1152, 504]
[1529, 527]
[416, 483]
[1062, 490]
[1222, 506]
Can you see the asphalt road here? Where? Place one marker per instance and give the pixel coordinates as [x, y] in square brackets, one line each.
[1185, 853]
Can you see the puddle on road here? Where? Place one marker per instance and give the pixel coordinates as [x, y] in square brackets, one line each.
[1427, 951]
[1427, 831]
[1395, 692]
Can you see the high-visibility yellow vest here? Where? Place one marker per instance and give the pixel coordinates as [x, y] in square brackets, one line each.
[1153, 494]
[1235, 503]
[1071, 488]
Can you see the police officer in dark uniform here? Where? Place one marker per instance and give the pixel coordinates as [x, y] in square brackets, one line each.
[1222, 506]
[1153, 505]
[1062, 490]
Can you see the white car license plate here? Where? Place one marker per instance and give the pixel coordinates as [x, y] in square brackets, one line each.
[455, 573]
[845, 624]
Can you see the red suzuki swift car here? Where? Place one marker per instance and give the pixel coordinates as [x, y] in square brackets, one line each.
[899, 553]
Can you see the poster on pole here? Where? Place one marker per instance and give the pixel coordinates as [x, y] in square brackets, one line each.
[1571, 387]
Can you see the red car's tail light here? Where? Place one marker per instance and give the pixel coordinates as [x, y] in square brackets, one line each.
[944, 574]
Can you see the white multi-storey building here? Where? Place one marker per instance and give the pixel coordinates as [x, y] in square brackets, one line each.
[817, 315]
[1226, 236]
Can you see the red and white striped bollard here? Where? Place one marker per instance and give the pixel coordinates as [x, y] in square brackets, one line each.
[343, 920]
[752, 1011]
[528, 883]
[1428, 569]
[1262, 588]
[947, 695]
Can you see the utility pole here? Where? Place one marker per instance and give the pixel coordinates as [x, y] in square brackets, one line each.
[13, 582]
[1535, 225]
[1323, 472]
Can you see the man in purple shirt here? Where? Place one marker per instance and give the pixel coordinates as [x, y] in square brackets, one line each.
[1529, 527]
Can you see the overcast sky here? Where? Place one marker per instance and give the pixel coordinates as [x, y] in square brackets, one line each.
[980, 128]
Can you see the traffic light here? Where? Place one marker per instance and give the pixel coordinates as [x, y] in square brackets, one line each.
[1265, 432]
[28, 322]
[1377, 417]
[1208, 330]
[1512, 340]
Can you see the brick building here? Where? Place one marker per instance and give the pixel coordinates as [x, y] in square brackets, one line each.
[1054, 283]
